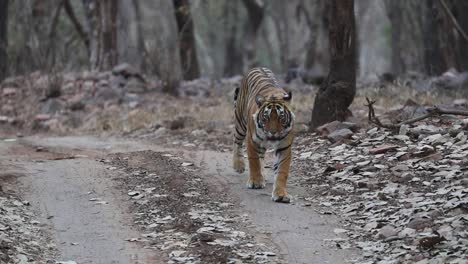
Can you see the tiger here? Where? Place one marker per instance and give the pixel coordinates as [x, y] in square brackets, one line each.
[264, 120]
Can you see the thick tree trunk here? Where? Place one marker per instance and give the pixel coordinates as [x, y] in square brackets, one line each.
[232, 53]
[79, 28]
[140, 40]
[255, 13]
[317, 59]
[3, 39]
[102, 23]
[108, 37]
[165, 53]
[337, 92]
[453, 33]
[395, 15]
[188, 51]
[434, 61]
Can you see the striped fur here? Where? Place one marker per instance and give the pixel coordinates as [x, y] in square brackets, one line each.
[263, 120]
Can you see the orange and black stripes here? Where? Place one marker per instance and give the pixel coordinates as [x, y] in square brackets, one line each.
[256, 81]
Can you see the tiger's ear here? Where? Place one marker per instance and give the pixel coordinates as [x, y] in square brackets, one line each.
[288, 96]
[259, 100]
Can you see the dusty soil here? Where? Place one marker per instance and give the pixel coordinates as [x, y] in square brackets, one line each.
[133, 202]
[156, 186]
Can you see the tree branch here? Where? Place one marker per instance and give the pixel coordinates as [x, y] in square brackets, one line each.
[433, 111]
[79, 28]
[453, 19]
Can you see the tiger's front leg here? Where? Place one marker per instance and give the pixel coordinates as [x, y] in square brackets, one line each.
[255, 155]
[282, 165]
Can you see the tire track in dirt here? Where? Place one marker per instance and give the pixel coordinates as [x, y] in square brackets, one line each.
[299, 232]
[79, 205]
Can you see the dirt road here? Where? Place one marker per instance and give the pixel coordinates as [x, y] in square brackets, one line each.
[92, 220]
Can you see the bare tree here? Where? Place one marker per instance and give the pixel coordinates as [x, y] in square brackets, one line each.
[164, 53]
[255, 13]
[395, 15]
[76, 23]
[233, 52]
[446, 36]
[3, 39]
[188, 51]
[317, 59]
[140, 40]
[102, 24]
[337, 92]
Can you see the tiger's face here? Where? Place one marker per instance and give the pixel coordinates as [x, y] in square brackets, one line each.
[274, 119]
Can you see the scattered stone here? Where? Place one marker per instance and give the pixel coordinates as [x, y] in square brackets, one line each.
[333, 126]
[42, 117]
[387, 231]
[52, 106]
[340, 135]
[125, 70]
[9, 91]
[382, 149]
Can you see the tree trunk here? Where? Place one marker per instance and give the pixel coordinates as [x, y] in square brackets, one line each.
[108, 38]
[316, 60]
[3, 39]
[164, 54]
[395, 15]
[232, 53]
[79, 28]
[255, 13]
[434, 62]
[188, 51]
[337, 92]
[102, 24]
[453, 33]
[140, 40]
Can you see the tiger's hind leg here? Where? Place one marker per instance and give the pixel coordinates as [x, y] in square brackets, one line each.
[281, 167]
[255, 155]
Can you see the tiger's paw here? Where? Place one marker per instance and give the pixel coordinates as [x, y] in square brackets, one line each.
[239, 165]
[280, 197]
[260, 184]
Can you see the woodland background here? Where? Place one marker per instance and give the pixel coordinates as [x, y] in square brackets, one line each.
[189, 39]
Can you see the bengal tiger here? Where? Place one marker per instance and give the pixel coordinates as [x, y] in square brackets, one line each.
[263, 119]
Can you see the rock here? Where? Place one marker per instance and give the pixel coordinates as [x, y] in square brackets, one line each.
[382, 149]
[339, 135]
[52, 106]
[103, 76]
[199, 133]
[436, 139]
[108, 93]
[7, 109]
[420, 223]
[403, 130]
[177, 123]
[76, 104]
[9, 91]
[462, 103]
[88, 85]
[125, 69]
[334, 126]
[4, 119]
[430, 241]
[117, 81]
[103, 83]
[387, 231]
[135, 85]
[42, 117]
[68, 86]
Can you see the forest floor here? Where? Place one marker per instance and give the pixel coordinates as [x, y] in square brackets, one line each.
[142, 177]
